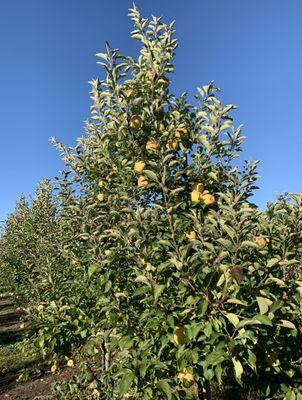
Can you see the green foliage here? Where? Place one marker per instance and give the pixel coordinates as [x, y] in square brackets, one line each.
[152, 263]
[14, 358]
[28, 246]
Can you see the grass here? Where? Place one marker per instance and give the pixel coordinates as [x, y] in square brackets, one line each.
[12, 359]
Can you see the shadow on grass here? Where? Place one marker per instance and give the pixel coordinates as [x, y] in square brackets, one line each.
[10, 316]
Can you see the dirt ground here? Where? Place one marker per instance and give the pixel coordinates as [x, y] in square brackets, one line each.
[34, 389]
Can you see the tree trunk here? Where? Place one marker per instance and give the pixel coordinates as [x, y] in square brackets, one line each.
[200, 391]
[208, 390]
[207, 387]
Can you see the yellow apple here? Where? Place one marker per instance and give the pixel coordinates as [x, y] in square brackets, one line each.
[101, 197]
[139, 166]
[185, 375]
[53, 368]
[261, 241]
[161, 127]
[195, 196]
[181, 130]
[108, 177]
[172, 144]
[151, 144]
[208, 199]
[191, 235]
[142, 182]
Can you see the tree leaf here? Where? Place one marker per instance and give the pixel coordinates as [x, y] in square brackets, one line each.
[272, 262]
[126, 382]
[236, 301]
[263, 304]
[92, 269]
[157, 291]
[245, 322]
[263, 319]
[232, 318]
[278, 281]
[208, 329]
[142, 279]
[150, 174]
[248, 243]
[288, 324]
[237, 274]
[276, 305]
[252, 360]
[164, 386]
[221, 280]
[238, 368]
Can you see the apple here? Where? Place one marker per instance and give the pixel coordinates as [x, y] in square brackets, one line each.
[135, 123]
[151, 75]
[180, 131]
[195, 196]
[208, 199]
[139, 166]
[142, 182]
[191, 235]
[151, 144]
[261, 241]
[172, 144]
[100, 196]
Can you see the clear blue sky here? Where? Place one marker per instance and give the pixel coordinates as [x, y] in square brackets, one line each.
[252, 49]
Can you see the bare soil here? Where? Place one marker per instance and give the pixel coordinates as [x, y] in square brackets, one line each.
[34, 388]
